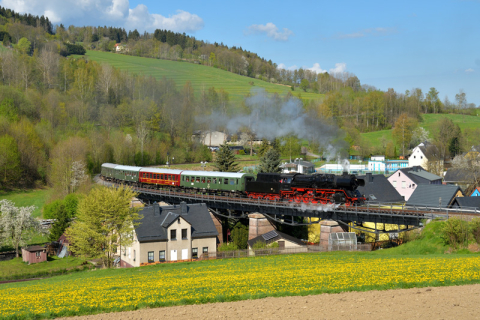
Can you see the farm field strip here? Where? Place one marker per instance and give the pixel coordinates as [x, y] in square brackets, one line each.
[229, 280]
[199, 75]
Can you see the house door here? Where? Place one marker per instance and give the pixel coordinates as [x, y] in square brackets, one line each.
[281, 244]
[173, 255]
[184, 254]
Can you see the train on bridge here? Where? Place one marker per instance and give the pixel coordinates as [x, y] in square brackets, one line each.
[294, 187]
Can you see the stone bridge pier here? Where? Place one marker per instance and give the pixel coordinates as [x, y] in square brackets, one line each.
[258, 225]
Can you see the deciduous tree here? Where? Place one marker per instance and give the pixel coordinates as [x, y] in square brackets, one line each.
[402, 132]
[17, 225]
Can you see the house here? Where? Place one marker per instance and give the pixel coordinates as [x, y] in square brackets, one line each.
[423, 154]
[380, 164]
[434, 195]
[406, 180]
[338, 168]
[34, 254]
[284, 241]
[120, 48]
[458, 176]
[171, 233]
[210, 138]
[472, 203]
[475, 193]
[378, 188]
[298, 166]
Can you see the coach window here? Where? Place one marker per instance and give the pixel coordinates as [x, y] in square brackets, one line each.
[197, 179]
[186, 179]
[215, 180]
[237, 181]
[208, 180]
[193, 179]
[219, 180]
[225, 181]
[203, 179]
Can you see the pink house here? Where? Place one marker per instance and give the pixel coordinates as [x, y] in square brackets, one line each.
[406, 180]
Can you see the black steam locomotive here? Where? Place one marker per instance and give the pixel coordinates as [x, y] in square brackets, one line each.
[315, 188]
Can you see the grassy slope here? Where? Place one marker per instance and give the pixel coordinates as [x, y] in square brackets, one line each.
[35, 198]
[200, 76]
[17, 269]
[428, 123]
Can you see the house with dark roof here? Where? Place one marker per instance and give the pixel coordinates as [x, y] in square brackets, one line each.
[284, 240]
[298, 165]
[472, 203]
[171, 233]
[458, 176]
[423, 154]
[406, 180]
[378, 188]
[434, 195]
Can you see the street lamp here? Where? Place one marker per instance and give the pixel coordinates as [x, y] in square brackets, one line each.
[203, 164]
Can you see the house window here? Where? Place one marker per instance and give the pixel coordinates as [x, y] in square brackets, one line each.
[38, 254]
[150, 257]
[421, 157]
[173, 234]
[178, 220]
[194, 253]
[399, 174]
[205, 249]
[404, 184]
[394, 183]
[134, 255]
[184, 234]
[161, 255]
[414, 157]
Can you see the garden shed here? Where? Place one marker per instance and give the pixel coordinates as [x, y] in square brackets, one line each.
[34, 254]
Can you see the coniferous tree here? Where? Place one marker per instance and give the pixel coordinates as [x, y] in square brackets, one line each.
[270, 162]
[225, 160]
[62, 223]
[263, 147]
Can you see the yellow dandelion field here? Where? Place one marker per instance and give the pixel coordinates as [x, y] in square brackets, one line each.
[234, 279]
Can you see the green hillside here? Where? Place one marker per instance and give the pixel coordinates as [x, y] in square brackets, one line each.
[428, 123]
[200, 76]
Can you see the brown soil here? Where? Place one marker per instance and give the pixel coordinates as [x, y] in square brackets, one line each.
[460, 302]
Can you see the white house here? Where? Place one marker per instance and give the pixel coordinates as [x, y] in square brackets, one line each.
[211, 138]
[298, 166]
[423, 154]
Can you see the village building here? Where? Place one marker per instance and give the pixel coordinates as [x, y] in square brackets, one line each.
[434, 195]
[382, 165]
[475, 193]
[468, 203]
[210, 138]
[378, 188]
[34, 254]
[406, 180]
[171, 233]
[425, 155]
[298, 166]
[284, 241]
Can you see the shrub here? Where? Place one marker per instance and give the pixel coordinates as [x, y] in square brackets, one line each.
[474, 227]
[227, 247]
[239, 235]
[455, 232]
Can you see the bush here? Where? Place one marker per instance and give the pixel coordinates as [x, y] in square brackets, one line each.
[455, 232]
[474, 227]
[239, 235]
[227, 247]
[50, 210]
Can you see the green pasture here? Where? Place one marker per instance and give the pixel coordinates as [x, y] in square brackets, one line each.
[201, 77]
[17, 269]
[25, 198]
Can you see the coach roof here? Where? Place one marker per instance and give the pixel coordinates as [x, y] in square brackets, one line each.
[160, 170]
[128, 168]
[213, 174]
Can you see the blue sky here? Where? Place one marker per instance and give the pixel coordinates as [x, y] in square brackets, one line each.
[387, 44]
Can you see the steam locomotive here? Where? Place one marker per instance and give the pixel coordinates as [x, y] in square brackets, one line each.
[315, 188]
[295, 187]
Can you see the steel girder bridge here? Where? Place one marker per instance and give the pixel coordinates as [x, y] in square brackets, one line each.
[406, 218]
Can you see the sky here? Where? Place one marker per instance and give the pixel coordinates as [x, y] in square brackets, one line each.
[386, 44]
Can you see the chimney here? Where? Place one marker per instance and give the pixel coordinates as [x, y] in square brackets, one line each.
[156, 209]
[369, 177]
[184, 208]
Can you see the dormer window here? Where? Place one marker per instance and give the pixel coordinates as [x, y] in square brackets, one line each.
[178, 220]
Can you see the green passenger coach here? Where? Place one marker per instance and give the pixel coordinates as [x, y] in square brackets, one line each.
[209, 180]
[128, 174]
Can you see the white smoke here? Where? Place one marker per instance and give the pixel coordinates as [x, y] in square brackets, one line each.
[346, 165]
[317, 207]
[272, 117]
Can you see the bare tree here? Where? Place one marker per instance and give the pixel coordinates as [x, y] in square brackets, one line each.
[142, 134]
[48, 63]
[105, 80]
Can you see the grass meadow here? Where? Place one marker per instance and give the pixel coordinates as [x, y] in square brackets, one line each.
[201, 77]
[98, 291]
[17, 269]
[24, 198]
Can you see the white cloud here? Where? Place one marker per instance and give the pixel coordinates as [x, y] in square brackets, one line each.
[339, 68]
[283, 66]
[270, 30]
[470, 70]
[107, 12]
[317, 69]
